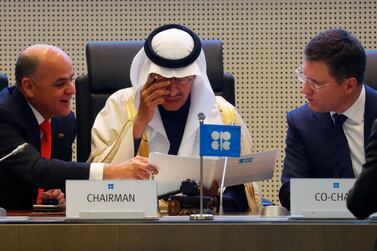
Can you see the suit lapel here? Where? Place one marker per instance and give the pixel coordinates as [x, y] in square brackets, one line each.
[63, 134]
[56, 139]
[323, 124]
[370, 113]
[321, 137]
[29, 120]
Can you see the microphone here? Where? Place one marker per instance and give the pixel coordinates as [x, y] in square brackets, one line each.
[201, 117]
[17, 150]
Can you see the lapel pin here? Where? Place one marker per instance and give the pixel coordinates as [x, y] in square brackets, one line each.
[60, 135]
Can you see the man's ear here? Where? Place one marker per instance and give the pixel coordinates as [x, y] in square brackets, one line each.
[27, 87]
[351, 84]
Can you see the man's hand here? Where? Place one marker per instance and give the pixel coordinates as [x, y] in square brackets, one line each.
[151, 95]
[54, 194]
[135, 168]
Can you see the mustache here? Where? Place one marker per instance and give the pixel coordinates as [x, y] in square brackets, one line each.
[178, 96]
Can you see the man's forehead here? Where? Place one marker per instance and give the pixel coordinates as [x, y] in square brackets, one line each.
[316, 66]
[318, 71]
[55, 68]
[161, 76]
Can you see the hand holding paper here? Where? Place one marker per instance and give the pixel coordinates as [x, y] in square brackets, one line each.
[173, 169]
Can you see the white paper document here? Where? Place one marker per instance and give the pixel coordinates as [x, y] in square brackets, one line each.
[172, 169]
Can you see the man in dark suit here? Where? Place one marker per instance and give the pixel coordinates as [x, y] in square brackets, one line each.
[326, 136]
[362, 199]
[44, 90]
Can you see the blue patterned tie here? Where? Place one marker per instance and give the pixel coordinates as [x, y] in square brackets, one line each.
[342, 155]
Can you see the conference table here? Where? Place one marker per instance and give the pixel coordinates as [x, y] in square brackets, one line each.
[54, 232]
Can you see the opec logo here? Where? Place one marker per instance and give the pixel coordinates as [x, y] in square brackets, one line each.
[221, 140]
[336, 184]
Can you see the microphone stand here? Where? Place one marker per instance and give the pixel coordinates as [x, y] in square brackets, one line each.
[18, 149]
[8, 155]
[201, 216]
[221, 210]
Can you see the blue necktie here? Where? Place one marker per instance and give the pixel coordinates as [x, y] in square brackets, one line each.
[342, 155]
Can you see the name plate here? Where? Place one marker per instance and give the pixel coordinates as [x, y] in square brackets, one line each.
[113, 199]
[320, 198]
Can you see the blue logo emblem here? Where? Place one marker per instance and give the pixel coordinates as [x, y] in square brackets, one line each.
[220, 140]
[110, 186]
[335, 185]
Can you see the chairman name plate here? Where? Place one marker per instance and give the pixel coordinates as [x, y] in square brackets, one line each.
[116, 199]
[320, 198]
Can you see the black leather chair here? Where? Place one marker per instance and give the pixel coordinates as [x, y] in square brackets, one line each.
[108, 71]
[371, 71]
[3, 80]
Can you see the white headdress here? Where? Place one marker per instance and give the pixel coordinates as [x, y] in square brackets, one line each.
[174, 51]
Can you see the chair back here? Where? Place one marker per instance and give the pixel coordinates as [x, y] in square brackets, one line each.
[3, 80]
[109, 70]
[371, 69]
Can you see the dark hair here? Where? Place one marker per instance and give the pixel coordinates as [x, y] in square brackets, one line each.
[25, 67]
[342, 53]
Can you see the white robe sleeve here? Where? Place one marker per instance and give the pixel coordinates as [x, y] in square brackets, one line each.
[246, 141]
[112, 132]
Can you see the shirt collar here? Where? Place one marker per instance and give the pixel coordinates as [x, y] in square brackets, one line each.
[37, 115]
[356, 111]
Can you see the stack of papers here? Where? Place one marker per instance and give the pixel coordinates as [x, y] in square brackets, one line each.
[172, 169]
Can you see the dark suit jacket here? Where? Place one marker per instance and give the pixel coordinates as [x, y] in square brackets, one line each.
[308, 145]
[22, 174]
[362, 198]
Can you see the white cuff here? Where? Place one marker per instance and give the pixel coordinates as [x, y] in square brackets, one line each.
[96, 171]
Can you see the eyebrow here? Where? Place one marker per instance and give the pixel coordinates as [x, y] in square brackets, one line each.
[64, 78]
[314, 80]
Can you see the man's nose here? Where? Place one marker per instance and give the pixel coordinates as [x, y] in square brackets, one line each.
[71, 89]
[305, 88]
[173, 88]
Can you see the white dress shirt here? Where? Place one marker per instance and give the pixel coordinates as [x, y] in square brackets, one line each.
[96, 169]
[354, 130]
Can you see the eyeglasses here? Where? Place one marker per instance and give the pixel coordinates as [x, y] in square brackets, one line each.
[179, 81]
[312, 83]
